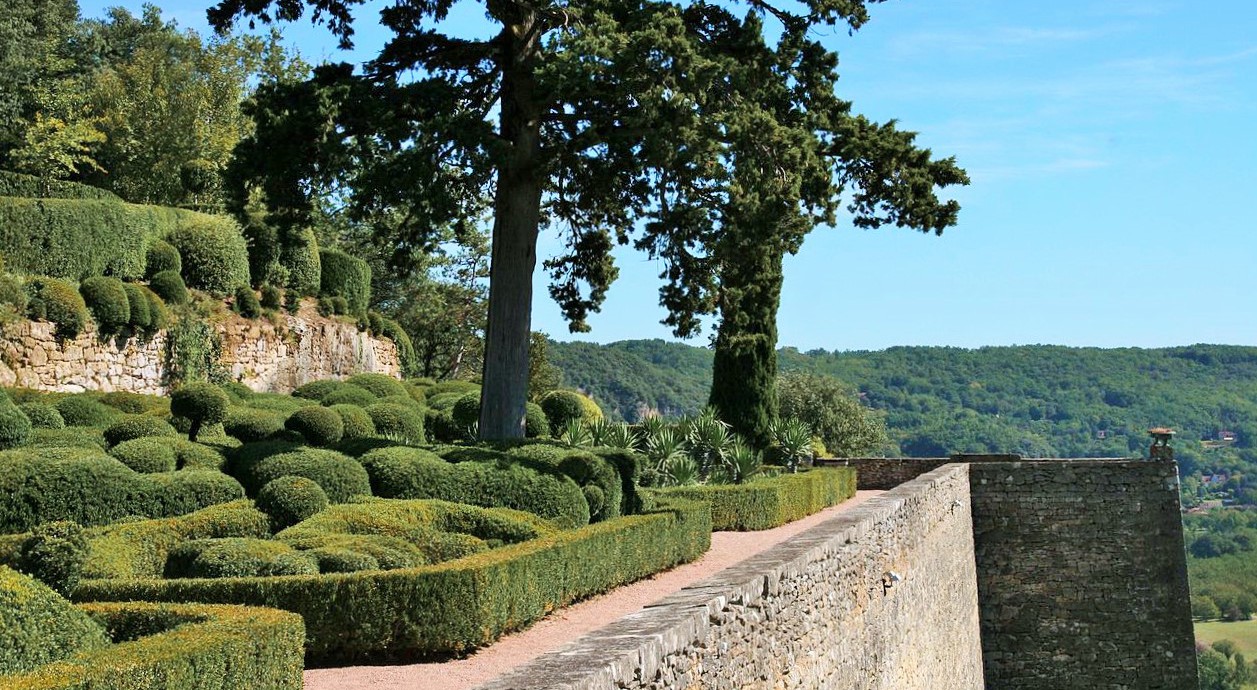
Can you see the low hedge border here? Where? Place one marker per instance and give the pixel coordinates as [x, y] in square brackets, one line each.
[453, 606]
[180, 647]
[768, 502]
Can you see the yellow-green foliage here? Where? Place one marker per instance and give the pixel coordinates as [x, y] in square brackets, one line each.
[770, 501]
[138, 549]
[180, 647]
[454, 606]
[79, 238]
[37, 626]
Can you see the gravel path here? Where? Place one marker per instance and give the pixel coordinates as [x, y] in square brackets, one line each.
[567, 624]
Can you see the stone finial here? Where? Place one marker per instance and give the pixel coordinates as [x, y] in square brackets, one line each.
[1160, 449]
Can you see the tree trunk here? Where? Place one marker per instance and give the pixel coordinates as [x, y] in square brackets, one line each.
[744, 368]
[517, 213]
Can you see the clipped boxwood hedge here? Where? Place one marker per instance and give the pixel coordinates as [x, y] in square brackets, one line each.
[32, 187]
[80, 238]
[452, 606]
[180, 647]
[38, 626]
[345, 276]
[771, 501]
[90, 488]
[215, 256]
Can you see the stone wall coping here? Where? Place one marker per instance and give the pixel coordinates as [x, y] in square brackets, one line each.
[637, 642]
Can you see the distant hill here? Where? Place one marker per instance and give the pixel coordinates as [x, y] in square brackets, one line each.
[1034, 400]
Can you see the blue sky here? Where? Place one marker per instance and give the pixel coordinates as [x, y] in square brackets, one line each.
[1113, 154]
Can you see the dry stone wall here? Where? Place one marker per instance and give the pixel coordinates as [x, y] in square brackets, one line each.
[815, 612]
[1082, 579]
[260, 354]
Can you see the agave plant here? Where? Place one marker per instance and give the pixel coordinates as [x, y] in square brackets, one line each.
[621, 436]
[743, 462]
[612, 435]
[708, 441]
[651, 424]
[681, 470]
[576, 433]
[663, 445]
[792, 442]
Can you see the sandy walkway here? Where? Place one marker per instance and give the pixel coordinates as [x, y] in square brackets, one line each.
[565, 625]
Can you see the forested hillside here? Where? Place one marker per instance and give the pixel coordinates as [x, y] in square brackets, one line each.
[1032, 400]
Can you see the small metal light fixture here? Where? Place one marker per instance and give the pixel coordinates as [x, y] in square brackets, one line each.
[889, 580]
[956, 504]
[1161, 449]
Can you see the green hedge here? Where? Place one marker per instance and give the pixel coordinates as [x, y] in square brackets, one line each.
[31, 187]
[404, 472]
[131, 550]
[90, 488]
[180, 647]
[453, 606]
[345, 276]
[38, 626]
[77, 238]
[215, 256]
[768, 502]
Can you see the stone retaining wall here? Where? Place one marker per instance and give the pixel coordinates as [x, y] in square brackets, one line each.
[256, 352]
[814, 612]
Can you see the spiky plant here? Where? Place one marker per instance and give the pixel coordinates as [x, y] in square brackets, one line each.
[576, 433]
[743, 462]
[708, 441]
[792, 442]
[681, 470]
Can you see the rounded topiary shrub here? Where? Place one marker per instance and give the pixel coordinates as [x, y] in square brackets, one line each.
[317, 390]
[440, 426]
[158, 314]
[380, 385]
[141, 309]
[229, 557]
[83, 410]
[43, 416]
[357, 422]
[60, 303]
[248, 425]
[15, 427]
[215, 256]
[106, 299]
[169, 286]
[349, 394]
[137, 426]
[466, 412]
[236, 391]
[272, 297]
[561, 407]
[180, 493]
[202, 403]
[289, 500]
[135, 403]
[536, 424]
[300, 256]
[54, 553]
[13, 295]
[147, 455]
[345, 276]
[246, 303]
[162, 256]
[340, 306]
[398, 422]
[444, 401]
[319, 426]
[333, 560]
[39, 627]
[339, 475]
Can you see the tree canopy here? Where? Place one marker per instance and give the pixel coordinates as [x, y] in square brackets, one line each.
[578, 118]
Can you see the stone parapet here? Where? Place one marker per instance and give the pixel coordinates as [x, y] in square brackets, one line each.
[822, 610]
